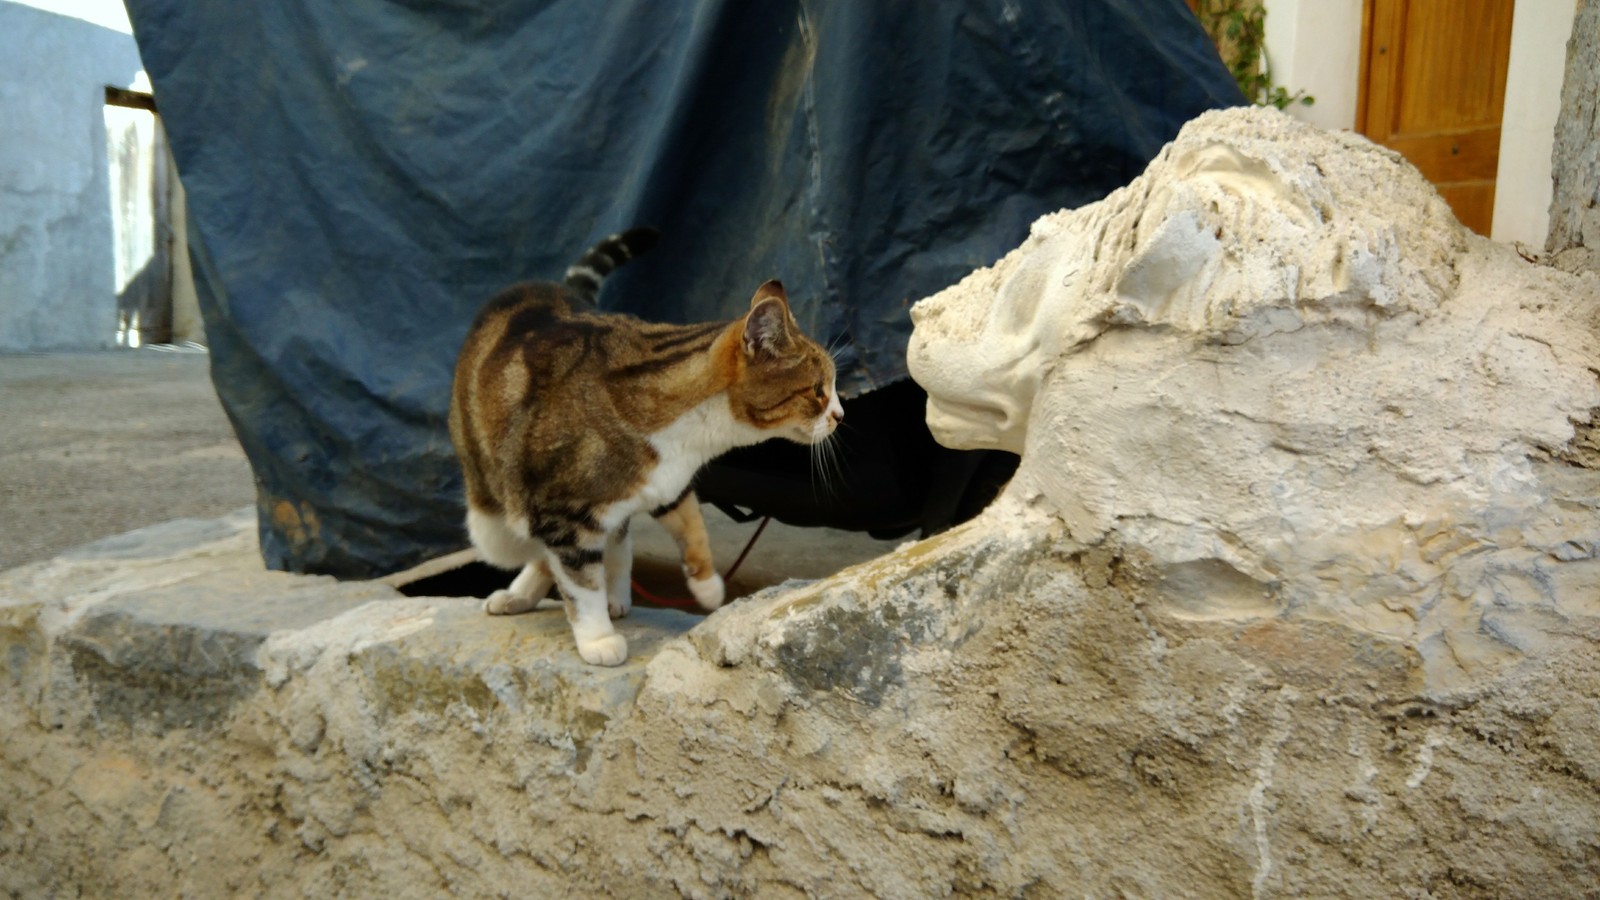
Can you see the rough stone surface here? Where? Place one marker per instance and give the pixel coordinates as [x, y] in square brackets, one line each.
[1056, 699]
[1574, 240]
[56, 247]
[1278, 369]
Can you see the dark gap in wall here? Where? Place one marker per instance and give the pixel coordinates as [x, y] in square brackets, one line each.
[116, 96]
[663, 584]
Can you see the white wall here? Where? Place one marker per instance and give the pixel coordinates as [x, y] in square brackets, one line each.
[56, 288]
[1315, 45]
[105, 13]
[1539, 33]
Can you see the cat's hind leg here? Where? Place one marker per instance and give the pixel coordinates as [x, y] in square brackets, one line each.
[580, 571]
[618, 563]
[501, 544]
[526, 590]
[688, 528]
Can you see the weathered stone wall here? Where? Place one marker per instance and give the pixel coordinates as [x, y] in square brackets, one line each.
[1574, 238]
[1123, 679]
[973, 715]
[56, 248]
[1278, 366]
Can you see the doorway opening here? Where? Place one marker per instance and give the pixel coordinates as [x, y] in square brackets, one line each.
[155, 296]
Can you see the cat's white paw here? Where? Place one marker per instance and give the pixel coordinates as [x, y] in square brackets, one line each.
[708, 591]
[609, 650]
[505, 603]
[619, 608]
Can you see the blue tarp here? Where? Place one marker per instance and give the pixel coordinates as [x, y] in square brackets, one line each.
[362, 174]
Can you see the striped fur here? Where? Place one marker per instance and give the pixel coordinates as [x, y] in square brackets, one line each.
[568, 422]
[585, 276]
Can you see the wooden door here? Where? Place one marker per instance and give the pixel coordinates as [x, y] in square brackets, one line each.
[1433, 87]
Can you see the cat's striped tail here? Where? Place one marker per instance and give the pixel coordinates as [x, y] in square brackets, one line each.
[585, 275]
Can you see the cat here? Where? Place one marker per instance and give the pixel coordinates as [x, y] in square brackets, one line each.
[568, 422]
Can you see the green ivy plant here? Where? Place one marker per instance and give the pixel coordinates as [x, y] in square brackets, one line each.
[1239, 29]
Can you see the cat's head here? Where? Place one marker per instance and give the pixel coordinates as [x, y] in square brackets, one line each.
[785, 385]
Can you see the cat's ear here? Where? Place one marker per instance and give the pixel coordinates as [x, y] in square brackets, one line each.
[770, 290]
[766, 327]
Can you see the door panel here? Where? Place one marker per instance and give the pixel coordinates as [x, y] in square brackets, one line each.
[1433, 88]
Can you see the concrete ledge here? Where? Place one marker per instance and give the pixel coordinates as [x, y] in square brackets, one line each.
[192, 679]
[974, 714]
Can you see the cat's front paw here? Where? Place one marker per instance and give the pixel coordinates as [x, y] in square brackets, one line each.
[619, 608]
[505, 603]
[609, 650]
[708, 591]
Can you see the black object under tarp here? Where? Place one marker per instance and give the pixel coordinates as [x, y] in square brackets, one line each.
[361, 175]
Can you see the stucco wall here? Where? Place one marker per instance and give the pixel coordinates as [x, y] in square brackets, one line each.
[56, 289]
[1539, 32]
[1315, 46]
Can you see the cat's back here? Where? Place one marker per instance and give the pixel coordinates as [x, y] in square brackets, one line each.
[532, 333]
[538, 382]
[539, 356]
[529, 313]
[517, 355]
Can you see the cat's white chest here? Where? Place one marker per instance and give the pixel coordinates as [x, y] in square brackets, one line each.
[693, 439]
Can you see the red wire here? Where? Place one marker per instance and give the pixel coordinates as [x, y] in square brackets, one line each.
[662, 601]
[735, 567]
[684, 603]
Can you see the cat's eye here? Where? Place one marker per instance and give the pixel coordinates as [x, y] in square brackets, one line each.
[818, 391]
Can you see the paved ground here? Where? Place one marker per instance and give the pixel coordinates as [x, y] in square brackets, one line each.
[96, 444]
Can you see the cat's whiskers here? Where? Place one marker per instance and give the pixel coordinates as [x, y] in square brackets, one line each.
[826, 467]
[834, 456]
[821, 479]
[812, 470]
[824, 473]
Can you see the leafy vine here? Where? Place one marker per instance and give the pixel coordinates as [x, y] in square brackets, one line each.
[1239, 30]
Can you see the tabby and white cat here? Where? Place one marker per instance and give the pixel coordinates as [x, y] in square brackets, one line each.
[569, 421]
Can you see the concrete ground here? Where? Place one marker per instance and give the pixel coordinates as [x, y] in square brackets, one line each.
[96, 444]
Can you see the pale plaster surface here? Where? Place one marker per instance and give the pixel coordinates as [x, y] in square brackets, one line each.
[1276, 367]
[1540, 30]
[56, 245]
[1315, 46]
[1191, 652]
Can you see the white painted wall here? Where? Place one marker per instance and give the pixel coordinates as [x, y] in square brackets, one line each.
[1315, 45]
[105, 13]
[56, 288]
[1539, 33]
